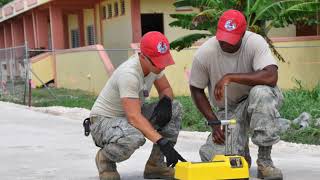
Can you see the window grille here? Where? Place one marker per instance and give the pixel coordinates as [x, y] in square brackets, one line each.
[123, 7]
[116, 9]
[104, 12]
[75, 38]
[109, 11]
[91, 35]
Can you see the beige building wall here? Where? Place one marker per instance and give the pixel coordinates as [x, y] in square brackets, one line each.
[117, 30]
[301, 64]
[87, 73]
[43, 67]
[72, 25]
[166, 7]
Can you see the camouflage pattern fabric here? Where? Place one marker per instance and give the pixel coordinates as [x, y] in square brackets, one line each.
[118, 139]
[257, 115]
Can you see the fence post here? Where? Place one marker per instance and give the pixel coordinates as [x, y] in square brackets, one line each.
[11, 71]
[28, 74]
[1, 78]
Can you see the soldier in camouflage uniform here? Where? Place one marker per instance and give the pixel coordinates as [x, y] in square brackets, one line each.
[120, 120]
[242, 60]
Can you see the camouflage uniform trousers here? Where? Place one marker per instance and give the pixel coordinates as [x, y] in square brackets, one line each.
[119, 139]
[257, 115]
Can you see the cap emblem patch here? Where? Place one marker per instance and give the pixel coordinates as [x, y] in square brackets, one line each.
[230, 25]
[162, 47]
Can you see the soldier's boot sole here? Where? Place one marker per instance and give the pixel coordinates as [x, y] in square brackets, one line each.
[155, 172]
[261, 176]
[109, 176]
[156, 176]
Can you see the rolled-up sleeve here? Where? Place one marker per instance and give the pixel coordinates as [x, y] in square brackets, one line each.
[199, 76]
[262, 55]
[128, 86]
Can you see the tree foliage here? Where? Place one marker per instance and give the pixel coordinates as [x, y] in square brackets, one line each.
[277, 13]
[3, 2]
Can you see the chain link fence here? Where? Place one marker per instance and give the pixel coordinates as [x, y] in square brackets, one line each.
[18, 77]
[14, 74]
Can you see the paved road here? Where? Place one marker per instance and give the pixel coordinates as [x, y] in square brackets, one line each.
[35, 145]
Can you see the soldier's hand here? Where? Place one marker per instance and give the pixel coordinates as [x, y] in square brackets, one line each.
[219, 88]
[172, 156]
[217, 134]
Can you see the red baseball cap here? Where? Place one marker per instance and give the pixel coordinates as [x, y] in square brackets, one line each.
[156, 46]
[231, 26]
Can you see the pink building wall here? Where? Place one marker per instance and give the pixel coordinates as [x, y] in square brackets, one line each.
[42, 26]
[17, 31]
[136, 21]
[29, 31]
[57, 26]
[8, 35]
[2, 45]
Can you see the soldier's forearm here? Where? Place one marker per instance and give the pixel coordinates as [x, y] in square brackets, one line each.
[202, 103]
[268, 76]
[168, 92]
[144, 126]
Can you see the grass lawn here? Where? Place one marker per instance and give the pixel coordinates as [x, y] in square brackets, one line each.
[296, 101]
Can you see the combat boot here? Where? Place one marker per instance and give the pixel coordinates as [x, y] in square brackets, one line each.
[156, 168]
[266, 169]
[107, 169]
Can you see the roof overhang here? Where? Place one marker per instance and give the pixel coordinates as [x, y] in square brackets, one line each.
[17, 7]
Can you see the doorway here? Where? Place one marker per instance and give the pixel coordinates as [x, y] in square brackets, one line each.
[151, 22]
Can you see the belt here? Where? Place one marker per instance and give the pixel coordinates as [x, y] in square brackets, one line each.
[94, 119]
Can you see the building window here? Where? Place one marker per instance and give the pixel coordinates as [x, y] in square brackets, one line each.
[123, 7]
[91, 35]
[4, 66]
[104, 12]
[109, 11]
[75, 38]
[116, 9]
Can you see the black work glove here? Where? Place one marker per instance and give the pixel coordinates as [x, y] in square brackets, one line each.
[162, 112]
[172, 156]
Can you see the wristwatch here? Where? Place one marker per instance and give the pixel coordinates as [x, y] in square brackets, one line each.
[213, 122]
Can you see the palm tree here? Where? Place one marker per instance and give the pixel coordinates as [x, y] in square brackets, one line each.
[258, 12]
[3, 2]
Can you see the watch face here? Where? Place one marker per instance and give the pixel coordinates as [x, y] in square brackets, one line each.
[145, 93]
